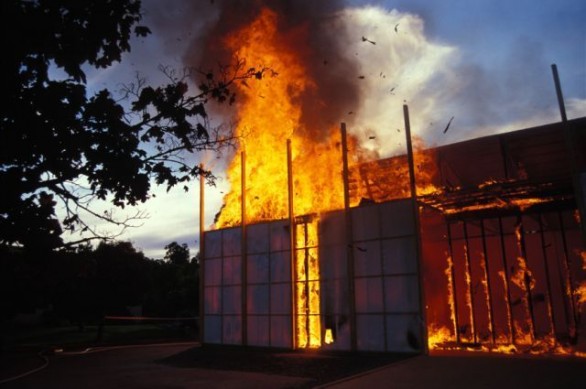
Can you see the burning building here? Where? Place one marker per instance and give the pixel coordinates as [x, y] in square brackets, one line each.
[477, 244]
[492, 258]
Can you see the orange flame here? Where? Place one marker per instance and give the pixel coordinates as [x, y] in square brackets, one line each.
[270, 114]
[580, 291]
[388, 179]
[307, 288]
[469, 291]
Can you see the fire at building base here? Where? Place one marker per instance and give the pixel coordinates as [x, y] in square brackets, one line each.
[491, 258]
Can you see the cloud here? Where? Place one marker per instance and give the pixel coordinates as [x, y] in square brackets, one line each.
[403, 67]
[512, 90]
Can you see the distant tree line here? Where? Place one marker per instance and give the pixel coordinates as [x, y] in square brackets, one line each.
[81, 286]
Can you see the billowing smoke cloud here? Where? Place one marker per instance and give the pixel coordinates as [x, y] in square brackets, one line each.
[369, 61]
[397, 66]
[513, 90]
[321, 48]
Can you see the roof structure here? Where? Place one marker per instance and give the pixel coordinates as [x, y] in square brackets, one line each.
[513, 171]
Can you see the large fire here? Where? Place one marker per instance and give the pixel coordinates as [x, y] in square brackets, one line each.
[267, 117]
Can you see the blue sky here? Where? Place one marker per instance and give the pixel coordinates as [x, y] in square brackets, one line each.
[486, 62]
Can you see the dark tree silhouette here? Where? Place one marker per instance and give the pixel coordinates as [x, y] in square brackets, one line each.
[176, 253]
[61, 147]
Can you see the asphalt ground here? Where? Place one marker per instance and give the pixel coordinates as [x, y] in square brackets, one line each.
[181, 366]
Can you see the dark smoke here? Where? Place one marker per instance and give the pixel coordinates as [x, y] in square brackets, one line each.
[323, 57]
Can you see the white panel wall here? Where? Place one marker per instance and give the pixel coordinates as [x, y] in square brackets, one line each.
[334, 282]
[385, 281]
[385, 277]
[268, 288]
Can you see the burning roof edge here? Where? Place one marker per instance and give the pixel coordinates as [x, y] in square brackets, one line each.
[513, 171]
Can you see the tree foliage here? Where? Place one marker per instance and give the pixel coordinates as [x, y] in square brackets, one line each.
[60, 146]
[81, 286]
[176, 253]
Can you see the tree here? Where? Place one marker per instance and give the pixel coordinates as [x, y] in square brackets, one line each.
[60, 146]
[177, 254]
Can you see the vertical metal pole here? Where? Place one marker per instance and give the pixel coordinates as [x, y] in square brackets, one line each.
[526, 278]
[506, 283]
[469, 271]
[202, 256]
[307, 311]
[488, 286]
[453, 277]
[349, 241]
[569, 289]
[571, 149]
[547, 278]
[417, 232]
[292, 247]
[558, 91]
[244, 249]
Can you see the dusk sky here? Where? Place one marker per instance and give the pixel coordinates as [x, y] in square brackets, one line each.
[484, 62]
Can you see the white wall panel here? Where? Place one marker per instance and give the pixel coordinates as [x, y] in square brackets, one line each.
[281, 334]
[403, 334]
[231, 273]
[213, 329]
[231, 303]
[280, 299]
[258, 299]
[258, 268]
[365, 222]
[399, 255]
[232, 241]
[332, 259]
[232, 329]
[213, 271]
[257, 238]
[281, 266]
[332, 229]
[213, 244]
[401, 294]
[258, 330]
[369, 295]
[279, 235]
[212, 300]
[370, 332]
[396, 218]
[367, 261]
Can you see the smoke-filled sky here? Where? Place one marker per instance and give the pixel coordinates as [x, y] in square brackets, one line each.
[486, 63]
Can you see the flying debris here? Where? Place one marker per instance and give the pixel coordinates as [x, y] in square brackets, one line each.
[350, 113]
[372, 137]
[448, 126]
[397, 28]
[361, 77]
[364, 39]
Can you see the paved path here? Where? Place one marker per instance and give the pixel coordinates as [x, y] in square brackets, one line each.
[135, 367]
[473, 371]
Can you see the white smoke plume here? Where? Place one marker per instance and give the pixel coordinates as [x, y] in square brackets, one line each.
[400, 65]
